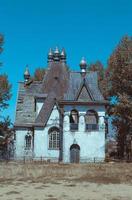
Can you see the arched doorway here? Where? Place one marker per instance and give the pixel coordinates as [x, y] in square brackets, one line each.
[74, 153]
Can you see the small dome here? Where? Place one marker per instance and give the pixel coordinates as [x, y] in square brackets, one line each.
[63, 55]
[50, 55]
[50, 52]
[56, 54]
[26, 74]
[83, 64]
[56, 51]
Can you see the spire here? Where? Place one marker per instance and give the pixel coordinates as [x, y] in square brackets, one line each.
[83, 65]
[56, 54]
[26, 74]
[50, 55]
[63, 55]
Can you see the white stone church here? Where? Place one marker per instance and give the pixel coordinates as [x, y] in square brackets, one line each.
[62, 117]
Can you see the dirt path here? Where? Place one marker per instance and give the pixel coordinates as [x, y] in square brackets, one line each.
[64, 190]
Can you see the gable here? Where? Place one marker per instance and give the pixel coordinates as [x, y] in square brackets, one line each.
[84, 95]
[54, 117]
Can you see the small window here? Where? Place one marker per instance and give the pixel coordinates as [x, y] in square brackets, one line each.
[54, 138]
[91, 120]
[74, 119]
[28, 142]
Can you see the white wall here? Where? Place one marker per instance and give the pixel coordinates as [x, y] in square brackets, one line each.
[20, 142]
[41, 138]
[92, 144]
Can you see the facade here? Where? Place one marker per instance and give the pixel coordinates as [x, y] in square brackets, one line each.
[62, 117]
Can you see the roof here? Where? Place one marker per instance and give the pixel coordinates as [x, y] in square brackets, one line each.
[91, 82]
[59, 84]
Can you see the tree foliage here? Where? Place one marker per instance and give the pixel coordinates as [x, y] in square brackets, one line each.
[4, 127]
[5, 86]
[5, 95]
[39, 74]
[119, 84]
[98, 67]
[4, 91]
[1, 42]
[1, 45]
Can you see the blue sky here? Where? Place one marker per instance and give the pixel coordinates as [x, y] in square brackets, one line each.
[89, 28]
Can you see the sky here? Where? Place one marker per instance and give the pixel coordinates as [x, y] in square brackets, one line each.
[85, 28]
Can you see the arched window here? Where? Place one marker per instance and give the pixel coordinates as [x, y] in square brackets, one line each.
[54, 138]
[28, 141]
[91, 120]
[74, 119]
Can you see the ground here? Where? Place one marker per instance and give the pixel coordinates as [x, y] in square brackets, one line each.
[40, 181]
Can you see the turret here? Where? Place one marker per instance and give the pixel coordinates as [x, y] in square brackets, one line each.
[56, 54]
[26, 75]
[50, 55]
[63, 55]
[83, 65]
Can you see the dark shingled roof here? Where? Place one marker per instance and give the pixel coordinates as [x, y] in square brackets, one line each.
[55, 84]
[58, 84]
[75, 81]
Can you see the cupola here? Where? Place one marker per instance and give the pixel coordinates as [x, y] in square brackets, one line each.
[63, 55]
[83, 65]
[50, 55]
[56, 54]
[26, 75]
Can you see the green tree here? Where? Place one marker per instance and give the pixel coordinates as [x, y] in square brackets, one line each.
[119, 84]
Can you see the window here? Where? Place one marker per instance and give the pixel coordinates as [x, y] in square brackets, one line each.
[91, 120]
[74, 119]
[28, 141]
[54, 138]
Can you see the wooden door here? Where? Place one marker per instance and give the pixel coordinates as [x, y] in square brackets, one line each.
[74, 154]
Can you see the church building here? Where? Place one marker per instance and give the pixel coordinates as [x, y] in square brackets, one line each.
[62, 117]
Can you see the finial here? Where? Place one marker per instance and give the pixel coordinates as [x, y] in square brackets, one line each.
[50, 55]
[83, 65]
[56, 54]
[56, 50]
[63, 55]
[26, 74]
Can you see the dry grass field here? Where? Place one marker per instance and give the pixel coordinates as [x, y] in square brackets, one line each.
[106, 181]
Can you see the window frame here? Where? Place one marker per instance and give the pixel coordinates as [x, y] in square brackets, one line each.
[91, 126]
[74, 125]
[54, 138]
[28, 141]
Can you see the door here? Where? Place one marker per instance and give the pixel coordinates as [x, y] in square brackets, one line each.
[74, 153]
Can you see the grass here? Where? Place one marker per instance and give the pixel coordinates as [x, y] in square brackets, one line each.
[98, 173]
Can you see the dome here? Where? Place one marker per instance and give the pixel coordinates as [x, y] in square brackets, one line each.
[56, 54]
[50, 55]
[63, 55]
[26, 74]
[56, 51]
[83, 64]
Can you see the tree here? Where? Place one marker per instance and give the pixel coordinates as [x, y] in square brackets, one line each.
[4, 126]
[119, 84]
[6, 139]
[98, 66]
[5, 95]
[1, 42]
[5, 86]
[4, 91]
[39, 74]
